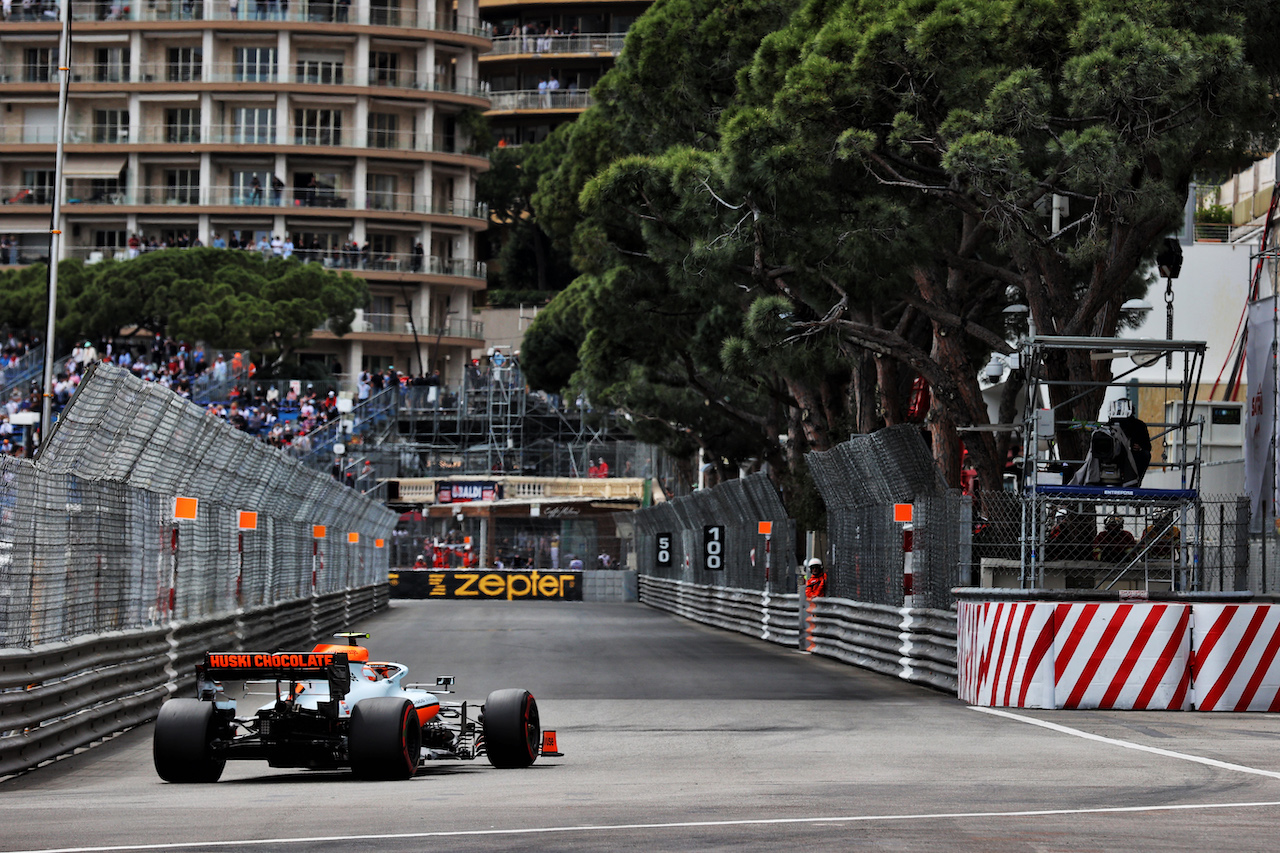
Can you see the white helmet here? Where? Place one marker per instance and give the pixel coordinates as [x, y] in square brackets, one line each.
[1120, 408]
[813, 561]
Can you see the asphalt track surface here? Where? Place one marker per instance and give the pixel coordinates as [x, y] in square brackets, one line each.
[682, 737]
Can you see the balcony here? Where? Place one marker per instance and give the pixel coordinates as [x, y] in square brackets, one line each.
[400, 324]
[591, 44]
[161, 134]
[289, 198]
[336, 259]
[532, 99]
[306, 11]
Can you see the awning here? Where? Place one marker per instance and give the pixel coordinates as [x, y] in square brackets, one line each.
[85, 166]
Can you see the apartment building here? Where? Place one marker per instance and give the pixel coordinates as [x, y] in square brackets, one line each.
[546, 56]
[330, 121]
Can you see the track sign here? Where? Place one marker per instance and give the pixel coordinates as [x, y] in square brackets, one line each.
[662, 549]
[902, 512]
[317, 531]
[764, 528]
[378, 543]
[184, 509]
[713, 547]
[248, 520]
[353, 538]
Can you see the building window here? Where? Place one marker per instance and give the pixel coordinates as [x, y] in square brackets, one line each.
[320, 71]
[111, 65]
[41, 64]
[184, 64]
[381, 192]
[384, 69]
[182, 186]
[254, 126]
[244, 190]
[182, 125]
[104, 191]
[255, 64]
[317, 127]
[381, 313]
[384, 130]
[109, 239]
[110, 125]
[385, 13]
[40, 182]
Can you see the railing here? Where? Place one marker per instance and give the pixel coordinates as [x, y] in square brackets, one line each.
[405, 262]
[306, 11]
[1214, 232]
[161, 134]
[315, 448]
[400, 324]
[288, 198]
[28, 366]
[589, 43]
[532, 99]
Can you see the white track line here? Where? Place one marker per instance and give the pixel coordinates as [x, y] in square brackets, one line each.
[1154, 750]
[548, 830]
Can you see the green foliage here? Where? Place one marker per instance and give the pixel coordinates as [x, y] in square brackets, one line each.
[1214, 213]
[226, 298]
[849, 200]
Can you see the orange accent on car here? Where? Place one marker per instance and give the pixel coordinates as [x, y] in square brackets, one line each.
[355, 654]
[427, 712]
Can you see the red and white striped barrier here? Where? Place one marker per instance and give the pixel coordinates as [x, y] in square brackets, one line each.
[1005, 654]
[1123, 656]
[1235, 663]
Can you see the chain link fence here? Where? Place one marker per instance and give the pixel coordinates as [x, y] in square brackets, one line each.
[686, 538]
[88, 538]
[860, 481]
[1114, 540]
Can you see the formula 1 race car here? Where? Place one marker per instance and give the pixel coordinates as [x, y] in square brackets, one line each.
[333, 708]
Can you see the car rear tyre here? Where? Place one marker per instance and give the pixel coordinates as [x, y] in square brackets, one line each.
[385, 740]
[512, 730]
[181, 745]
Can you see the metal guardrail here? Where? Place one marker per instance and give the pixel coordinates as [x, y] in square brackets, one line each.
[914, 644]
[775, 618]
[58, 697]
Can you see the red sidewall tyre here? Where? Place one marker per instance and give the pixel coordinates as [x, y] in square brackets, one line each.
[385, 739]
[512, 729]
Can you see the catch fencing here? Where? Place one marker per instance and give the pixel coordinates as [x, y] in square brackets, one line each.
[89, 538]
[860, 481]
[713, 538]
[672, 539]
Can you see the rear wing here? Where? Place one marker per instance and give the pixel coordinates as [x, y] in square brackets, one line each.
[279, 666]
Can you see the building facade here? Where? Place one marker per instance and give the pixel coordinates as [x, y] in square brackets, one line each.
[546, 56]
[336, 123]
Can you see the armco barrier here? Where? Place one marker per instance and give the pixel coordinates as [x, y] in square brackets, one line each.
[58, 697]
[768, 617]
[914, 644]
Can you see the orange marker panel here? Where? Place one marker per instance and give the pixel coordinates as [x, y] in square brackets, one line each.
[184, 509]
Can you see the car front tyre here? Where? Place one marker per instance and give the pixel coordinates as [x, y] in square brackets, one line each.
[512, 730]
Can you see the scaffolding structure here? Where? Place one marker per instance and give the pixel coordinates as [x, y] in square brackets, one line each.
[1109, 535]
